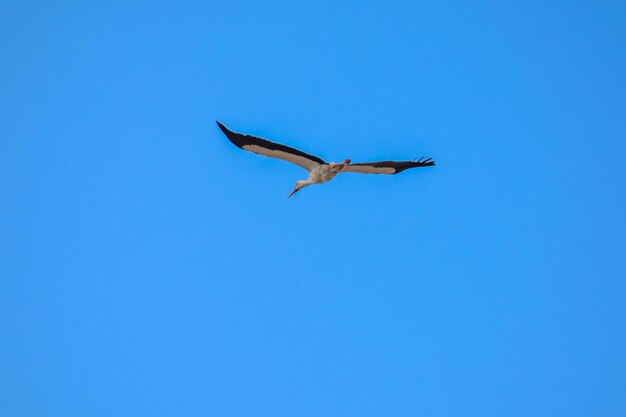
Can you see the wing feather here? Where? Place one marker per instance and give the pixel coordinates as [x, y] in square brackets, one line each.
[272, 149]
[387, 167]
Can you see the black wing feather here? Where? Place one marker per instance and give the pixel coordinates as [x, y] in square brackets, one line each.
[398, 166]
[240, 140]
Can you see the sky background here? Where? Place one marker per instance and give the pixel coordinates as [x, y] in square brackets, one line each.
[149, 267]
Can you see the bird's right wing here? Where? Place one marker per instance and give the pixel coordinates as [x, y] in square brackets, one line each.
[387, 167]
[271, 149]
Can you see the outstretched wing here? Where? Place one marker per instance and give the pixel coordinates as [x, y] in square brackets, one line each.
[387, 167]
[272, 149]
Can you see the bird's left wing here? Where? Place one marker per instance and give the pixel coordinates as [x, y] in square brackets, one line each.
[271, 149]
[387, 167]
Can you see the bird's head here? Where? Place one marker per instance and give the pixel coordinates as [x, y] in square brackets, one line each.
[299, 185]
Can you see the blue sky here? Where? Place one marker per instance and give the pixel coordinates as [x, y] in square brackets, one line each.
[149, 267]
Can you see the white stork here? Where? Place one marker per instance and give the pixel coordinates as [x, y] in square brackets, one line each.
[320, 171]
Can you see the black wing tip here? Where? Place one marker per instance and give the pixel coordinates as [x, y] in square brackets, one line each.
[416, 163]
[221, 125]
[236, 138]
[428, 162]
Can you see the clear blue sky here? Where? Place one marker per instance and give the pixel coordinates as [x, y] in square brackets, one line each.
[150, 268]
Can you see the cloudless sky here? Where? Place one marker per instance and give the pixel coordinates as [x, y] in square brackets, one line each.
[150, 268]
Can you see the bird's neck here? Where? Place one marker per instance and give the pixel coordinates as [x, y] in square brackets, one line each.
[306, 183]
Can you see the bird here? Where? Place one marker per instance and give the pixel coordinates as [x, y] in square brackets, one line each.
[320, 171]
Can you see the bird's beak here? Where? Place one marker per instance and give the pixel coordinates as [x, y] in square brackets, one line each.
[293, 192]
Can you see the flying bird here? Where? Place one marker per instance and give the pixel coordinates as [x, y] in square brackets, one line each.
[320, 171]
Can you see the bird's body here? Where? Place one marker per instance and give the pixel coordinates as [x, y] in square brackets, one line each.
[326, 172]
[321, 174]
[320, 171]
